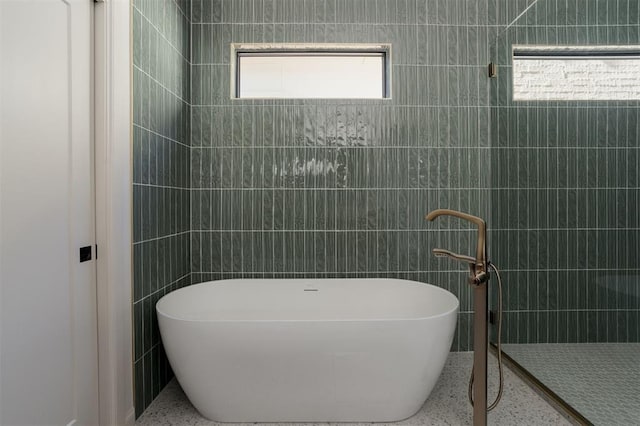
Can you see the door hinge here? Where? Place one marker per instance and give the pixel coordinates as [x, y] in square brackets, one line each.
[493, 70]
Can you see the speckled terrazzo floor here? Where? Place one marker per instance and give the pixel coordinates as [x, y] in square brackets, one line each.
[447, 404]
[600, 380]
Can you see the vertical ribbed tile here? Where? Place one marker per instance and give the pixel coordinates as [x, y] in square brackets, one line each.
[344, 203]
[565, 190]
[161, 195]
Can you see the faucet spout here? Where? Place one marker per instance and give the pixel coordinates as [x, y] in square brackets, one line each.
[481, 249]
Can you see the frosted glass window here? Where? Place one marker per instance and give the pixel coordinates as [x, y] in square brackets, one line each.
[326, 75]
[576, 73]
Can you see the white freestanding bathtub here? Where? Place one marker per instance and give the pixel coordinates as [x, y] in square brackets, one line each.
[300, 350]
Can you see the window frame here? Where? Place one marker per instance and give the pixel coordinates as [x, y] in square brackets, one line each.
[240, 50]
[570, 53]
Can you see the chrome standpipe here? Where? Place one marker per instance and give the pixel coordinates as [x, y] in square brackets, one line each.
[478, 278]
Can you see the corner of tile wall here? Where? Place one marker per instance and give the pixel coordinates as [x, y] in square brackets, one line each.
[161, 182]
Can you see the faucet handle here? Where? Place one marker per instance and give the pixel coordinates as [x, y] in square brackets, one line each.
[479, 278]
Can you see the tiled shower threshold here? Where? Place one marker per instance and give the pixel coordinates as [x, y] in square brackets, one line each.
[599, 380]
[447, 404]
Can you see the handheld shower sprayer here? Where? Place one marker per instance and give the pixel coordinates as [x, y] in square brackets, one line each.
[437, 252]
[461, 257]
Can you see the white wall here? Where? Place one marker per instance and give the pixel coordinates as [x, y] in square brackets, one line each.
[113, 206]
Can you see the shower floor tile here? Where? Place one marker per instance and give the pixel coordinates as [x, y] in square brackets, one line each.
[600, 380]
[447, 404]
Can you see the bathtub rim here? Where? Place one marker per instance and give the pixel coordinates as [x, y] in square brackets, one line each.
[454, 310]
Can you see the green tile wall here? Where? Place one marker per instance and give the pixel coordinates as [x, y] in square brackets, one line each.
[301, 188]
[566, 189]
[226, 188]
[161, 178]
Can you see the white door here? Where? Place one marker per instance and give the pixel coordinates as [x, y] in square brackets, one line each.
[48, 340]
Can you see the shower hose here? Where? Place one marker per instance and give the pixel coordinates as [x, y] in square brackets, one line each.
[498, 346]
